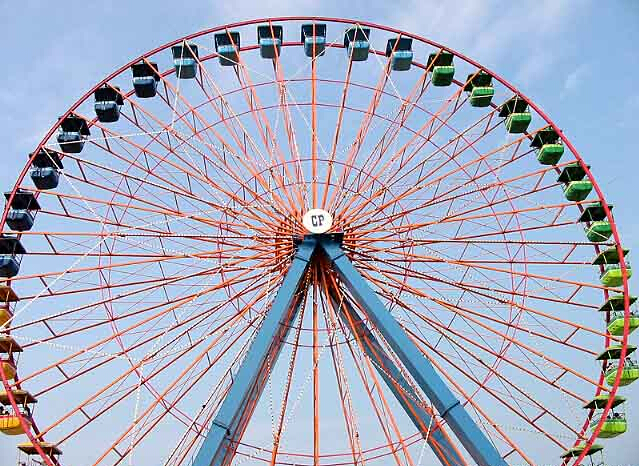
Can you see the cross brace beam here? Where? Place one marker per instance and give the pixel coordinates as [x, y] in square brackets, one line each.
[230, 422]
[428, 426]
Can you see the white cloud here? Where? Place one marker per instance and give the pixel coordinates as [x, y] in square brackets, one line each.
[525, 34]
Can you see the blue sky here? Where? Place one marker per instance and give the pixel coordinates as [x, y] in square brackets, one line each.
[576, 59]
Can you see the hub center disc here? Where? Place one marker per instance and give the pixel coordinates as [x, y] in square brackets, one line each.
[317, 221]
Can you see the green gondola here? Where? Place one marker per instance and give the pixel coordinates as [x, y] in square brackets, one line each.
[578, 449]
[629, 374]
[550, 154]
[577, 190]
[516, 114]
[613, 276]
[600, 402]
[614, 425]
[614, 352]
[610, 256]
[481, 96]
[548, 145]
[572, 172]
[594, 212]
[480, 87]
[599, 231]
[616, 303]
[617, 321]
[630, 371]
[443, 75]
[518, 122]
[443, 69]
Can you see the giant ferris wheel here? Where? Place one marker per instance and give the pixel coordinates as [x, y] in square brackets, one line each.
[310, 241]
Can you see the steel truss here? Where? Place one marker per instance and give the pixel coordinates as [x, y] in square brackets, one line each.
[235, 412]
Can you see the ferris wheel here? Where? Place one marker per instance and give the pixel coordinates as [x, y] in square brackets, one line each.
[310, 241]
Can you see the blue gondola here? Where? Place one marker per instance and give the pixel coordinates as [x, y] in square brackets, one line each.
[22, 210]
[269, 37]
[314, 39]
[11, 251]
[227, 46]
[185, 58]
[400, 52]
[73, 131]
[357, 43]
[145, 79]
[108, 101]
[45, 169]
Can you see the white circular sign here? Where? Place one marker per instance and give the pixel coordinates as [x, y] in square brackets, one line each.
[317, 221]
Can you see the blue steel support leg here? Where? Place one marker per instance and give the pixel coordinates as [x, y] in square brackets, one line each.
[229, 423]
[403, 392]
[465, 429]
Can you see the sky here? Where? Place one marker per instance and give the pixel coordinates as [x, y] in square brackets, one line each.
[576, 59]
